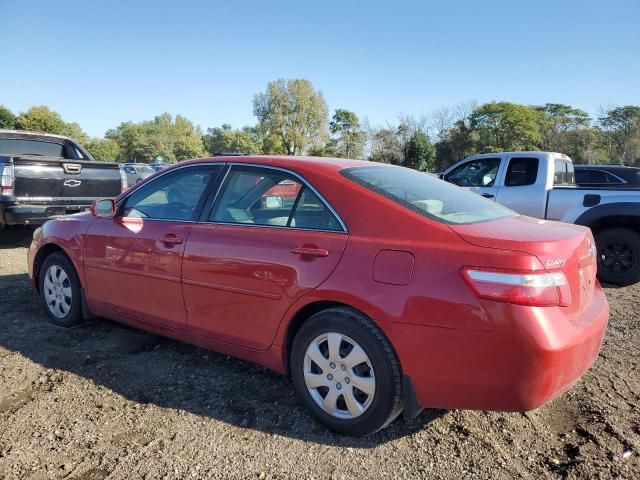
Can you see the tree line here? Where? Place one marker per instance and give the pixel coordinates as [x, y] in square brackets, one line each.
[293, 119]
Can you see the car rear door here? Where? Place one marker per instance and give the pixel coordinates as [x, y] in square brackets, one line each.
[268, 239]
[133, 261]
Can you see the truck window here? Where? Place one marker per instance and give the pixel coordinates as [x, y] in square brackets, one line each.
[475, 173]
[521, 171]
[564, 174]
[19, 146]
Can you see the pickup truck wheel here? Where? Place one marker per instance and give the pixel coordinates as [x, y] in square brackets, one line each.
[346, 372]
[60, 290]
[618, 256]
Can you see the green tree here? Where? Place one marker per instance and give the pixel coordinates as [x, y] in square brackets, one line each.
[294, 112]
[225, 139]
[458, 143]
[557, 121]
[103, 148]
[621, 127]
[173, 139]
[7, 118]
[348, 138]
[420, 152]
[506, 126]
[41, 119]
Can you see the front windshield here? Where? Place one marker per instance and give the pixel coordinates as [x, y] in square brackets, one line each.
[427, 195]
[144, 169]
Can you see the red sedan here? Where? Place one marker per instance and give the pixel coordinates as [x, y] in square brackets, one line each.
[378, 289]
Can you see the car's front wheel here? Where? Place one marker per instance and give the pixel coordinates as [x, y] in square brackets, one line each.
[60, 290]
[346, 372]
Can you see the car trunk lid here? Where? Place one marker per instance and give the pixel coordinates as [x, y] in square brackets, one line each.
[559, 247]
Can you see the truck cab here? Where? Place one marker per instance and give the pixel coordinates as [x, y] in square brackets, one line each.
[518, 180]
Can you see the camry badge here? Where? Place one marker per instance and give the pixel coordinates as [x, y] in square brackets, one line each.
[555, 262]
[72, 183]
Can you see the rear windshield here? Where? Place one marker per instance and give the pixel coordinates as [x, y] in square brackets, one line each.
[18, 146]
[427, 195]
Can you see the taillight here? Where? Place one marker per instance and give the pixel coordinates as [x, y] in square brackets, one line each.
[7, 180]
[123, 180]
[541, 289]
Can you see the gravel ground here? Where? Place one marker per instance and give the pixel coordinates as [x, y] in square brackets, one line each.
[106, 401]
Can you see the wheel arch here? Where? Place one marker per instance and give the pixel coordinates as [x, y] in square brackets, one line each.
[40, 257]
[306, 311]
[614, 215]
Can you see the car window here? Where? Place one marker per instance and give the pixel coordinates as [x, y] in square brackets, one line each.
[18, 146]
[586, 176]
[521, 171]
[612, 178]
[475, 173]
[130, 170]
[173, 196]
[426, 195]
[263, 196]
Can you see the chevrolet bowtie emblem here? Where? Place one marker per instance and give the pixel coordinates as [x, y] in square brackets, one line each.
[72, 183]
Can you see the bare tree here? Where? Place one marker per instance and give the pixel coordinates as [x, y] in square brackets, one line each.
[441, 121]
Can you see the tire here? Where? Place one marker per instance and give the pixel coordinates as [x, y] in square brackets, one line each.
[618, 256]
[372, 411]
[60, 290]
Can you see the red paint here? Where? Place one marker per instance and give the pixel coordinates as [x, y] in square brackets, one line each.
[236, 288]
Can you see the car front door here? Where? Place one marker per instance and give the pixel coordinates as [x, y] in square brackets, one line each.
[268, 239]
[133, 261]
[478, 175]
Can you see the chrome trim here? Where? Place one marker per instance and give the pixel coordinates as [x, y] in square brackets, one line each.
[279, 227]
[154, 219]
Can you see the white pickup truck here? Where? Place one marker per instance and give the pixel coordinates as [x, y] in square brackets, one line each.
[542, 184]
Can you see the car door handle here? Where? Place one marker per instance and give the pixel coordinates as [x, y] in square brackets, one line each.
[310, 251]
[488, 195]
[171, 240]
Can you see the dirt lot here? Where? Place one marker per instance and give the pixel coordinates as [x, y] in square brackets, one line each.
[106, 401]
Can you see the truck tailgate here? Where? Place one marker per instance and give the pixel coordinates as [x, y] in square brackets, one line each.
[46, 179]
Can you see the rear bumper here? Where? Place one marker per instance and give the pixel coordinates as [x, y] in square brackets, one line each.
[37, 214]
[531, 356]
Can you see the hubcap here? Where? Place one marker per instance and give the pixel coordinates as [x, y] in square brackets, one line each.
[618, 257]
[339, 375]
[57, 291]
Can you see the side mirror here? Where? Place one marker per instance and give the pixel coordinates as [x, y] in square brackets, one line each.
[441, 176]
[104, 208]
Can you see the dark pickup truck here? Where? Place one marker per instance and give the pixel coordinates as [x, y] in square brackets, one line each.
[45, 176]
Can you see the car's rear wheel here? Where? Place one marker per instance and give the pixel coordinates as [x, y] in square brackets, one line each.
[618, 256]
[346, 372]
[60, 290]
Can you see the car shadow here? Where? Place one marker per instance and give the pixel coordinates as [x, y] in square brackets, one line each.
[150, 369]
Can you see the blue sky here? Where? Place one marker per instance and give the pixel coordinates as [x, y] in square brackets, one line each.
[100, 63]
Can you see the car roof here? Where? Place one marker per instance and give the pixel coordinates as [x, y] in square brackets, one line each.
[289, 162]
